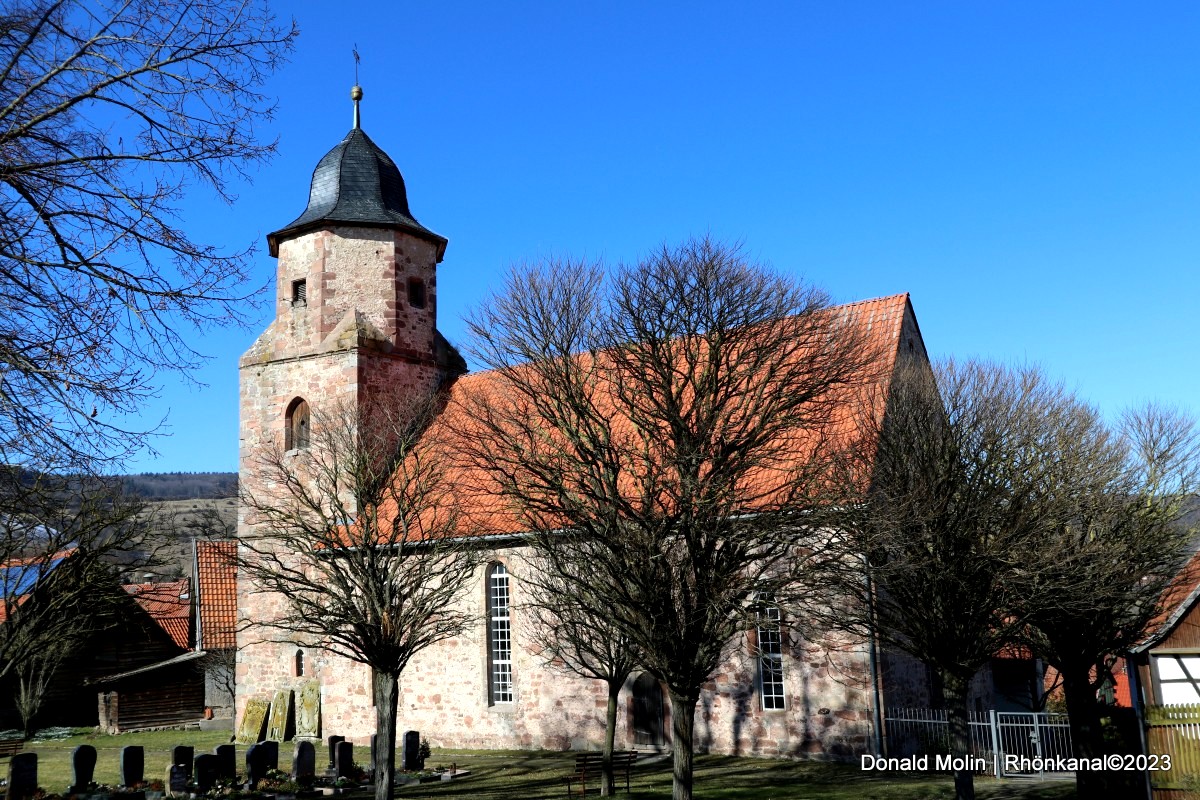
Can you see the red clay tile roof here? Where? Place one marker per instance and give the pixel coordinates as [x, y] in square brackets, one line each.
[168, 604]
[216, 578]
[486, 512]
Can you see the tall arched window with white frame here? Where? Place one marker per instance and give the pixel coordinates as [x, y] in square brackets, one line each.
[770, 655]
[500, 682]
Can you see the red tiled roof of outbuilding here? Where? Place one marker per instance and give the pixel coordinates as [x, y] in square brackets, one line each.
[169, 605]
[216, 578]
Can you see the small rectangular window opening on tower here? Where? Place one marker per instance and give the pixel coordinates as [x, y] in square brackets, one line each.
[416, 292]
[299, 293]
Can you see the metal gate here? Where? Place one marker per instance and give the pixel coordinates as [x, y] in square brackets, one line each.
[1025, 741]
[1012, 744]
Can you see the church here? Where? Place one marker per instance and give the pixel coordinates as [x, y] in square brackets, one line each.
[356, 316]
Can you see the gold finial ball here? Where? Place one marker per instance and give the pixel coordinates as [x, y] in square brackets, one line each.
[356, 93]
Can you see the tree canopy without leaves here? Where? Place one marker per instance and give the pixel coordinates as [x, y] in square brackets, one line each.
[357, 534]
[61, 558]
[109, 111]
[666, 427]
[1111, 544]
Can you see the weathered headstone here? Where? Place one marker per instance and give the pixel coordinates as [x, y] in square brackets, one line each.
[256, 763]
[281, 714]
[206, 772]
[343, 760]
[226, 761]
[271, 753]
[133, 765]
[178, 777]
[83, 767]
[371, 763]
[410, 751]
[182, 754]
[304, 760]
[333, 743]
[22, 776]
[308, 710]
[254, 721]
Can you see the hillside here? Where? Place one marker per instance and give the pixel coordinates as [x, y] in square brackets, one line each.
[181, 485]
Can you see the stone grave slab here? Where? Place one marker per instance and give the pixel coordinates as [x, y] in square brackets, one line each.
[308, 710]
[22, 776]
[205, 774]
[256, 764]
[133, 765]
[304, 760]
[83, 767]
[254, 721]
[343, 759]
[177, 778]
[333, 743]
[410, 751]
[281, 711]
[182, 754]
[226, 761]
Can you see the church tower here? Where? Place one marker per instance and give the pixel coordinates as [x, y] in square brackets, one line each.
[356, 302]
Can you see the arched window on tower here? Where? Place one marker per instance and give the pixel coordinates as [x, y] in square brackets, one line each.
[296, 425]
[299, 664]
[499, 637]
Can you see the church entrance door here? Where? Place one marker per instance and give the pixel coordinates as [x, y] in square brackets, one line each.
[648, 711]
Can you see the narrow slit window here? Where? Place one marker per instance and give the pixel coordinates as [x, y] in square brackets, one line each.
[299, 664]
[770, 656]
[299, 293]
[296, 424]
[416, 292]
[500, 685]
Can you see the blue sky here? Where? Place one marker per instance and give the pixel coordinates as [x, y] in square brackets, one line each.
[1029, 172]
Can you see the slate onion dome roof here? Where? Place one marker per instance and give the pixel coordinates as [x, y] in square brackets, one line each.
[356, 183]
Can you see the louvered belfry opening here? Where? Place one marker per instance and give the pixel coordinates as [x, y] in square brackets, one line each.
[299, 293]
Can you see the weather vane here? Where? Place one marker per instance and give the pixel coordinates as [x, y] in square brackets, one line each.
[356, 92]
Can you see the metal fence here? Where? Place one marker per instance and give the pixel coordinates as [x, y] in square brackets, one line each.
[1003, 743]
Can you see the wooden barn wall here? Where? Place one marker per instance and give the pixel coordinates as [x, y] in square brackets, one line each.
[167, 696]
[1186, 635]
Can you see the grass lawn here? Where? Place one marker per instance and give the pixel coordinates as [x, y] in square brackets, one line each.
[529, 775]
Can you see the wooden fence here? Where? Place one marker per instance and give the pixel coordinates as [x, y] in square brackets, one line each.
[1174, 731]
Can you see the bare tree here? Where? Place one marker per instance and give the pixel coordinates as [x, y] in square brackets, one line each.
[666, 428]
[64, 542]
[109, 110]
[1111, 544]
[576, 639]
[358, 534]
[950, 517]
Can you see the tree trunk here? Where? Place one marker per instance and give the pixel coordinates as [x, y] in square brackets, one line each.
[954, 693]
[683, 715]
[1087, 736]
[385, 734]
[610, 735]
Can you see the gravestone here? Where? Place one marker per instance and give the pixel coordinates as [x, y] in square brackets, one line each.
[256, 764]
[304, 760]
[410, 751]
[281, 715]
[178, 776]
[83, 768]
[343, 760]
[371, 764]
[226, 761]
[133, 765]
[333, 743]
[207, 768]
[182, 754]
[308, 710]
[254, 721]
[271, 753]
[22, 776]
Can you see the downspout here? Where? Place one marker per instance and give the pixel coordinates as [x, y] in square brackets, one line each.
[196, 591]
[876, 689]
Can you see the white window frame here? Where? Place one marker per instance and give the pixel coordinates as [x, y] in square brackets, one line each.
[770, 657]
[499, 602]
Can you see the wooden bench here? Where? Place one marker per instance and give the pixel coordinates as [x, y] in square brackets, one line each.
[10, 747]
[590, 767]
